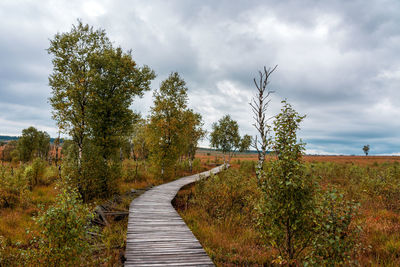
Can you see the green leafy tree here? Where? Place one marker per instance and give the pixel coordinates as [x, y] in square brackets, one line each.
[43, 145]
[74, 78]
[303, 222]
[366, 149]
[33, 143]
[118, 82]
[28, 144]
[245, 143]
[167, 129]
[14, 189]
[193, 134]
[225, 137]
[288, 206]
[96, 178]
[93, 85]
[35, 172]
[139, 146]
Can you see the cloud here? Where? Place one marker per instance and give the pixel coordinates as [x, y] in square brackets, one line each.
[337, 61]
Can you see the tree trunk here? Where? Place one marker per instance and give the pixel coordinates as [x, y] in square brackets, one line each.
[79, 156]
[56, 159]
[136, 169]
[190, 165]
[59, 171]
[289, 245]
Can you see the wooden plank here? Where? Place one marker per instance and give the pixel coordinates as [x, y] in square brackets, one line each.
[157, 235]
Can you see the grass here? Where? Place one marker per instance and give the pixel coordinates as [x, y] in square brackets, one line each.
[218, 213]
[15, 221]
[17, 213]
[229, 235]
[373, 182]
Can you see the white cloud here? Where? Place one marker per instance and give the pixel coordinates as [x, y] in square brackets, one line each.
[93, 8]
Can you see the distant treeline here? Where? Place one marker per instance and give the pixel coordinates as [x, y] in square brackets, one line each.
[7, 138]
[211, 150]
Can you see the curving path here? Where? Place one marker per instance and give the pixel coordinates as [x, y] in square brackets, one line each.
[157, 235]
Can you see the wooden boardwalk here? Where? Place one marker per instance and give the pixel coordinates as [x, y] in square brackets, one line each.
[157, 235]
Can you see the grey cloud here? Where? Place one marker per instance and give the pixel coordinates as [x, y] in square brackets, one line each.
[338, 60]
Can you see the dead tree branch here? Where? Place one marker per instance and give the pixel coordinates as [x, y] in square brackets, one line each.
[259, 105]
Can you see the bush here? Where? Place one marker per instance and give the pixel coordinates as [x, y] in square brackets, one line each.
[196, 165]
[248, 166]
[50, 175]
[10, 254]
[130, 170]
[336, 238]
[228, 196]
[95, 177]
[134, 171]
[14, 189]
[64, 239]
[10, 151]
[35, 172]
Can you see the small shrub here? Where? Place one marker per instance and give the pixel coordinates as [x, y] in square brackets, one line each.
[11, 254]
[337, 239]
[130, 170]
[64, 238]
[95, 177]
[248, 166]
[35, 172]
[14, 189]
[50, 175]
[196, 165]
[113, 239]
[230, 195]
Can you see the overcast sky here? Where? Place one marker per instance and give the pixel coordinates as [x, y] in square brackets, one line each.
[338, 61]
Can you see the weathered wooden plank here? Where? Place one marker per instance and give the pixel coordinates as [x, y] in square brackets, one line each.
[157, 235]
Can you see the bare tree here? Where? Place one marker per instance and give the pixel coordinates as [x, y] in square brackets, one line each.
[259, 105]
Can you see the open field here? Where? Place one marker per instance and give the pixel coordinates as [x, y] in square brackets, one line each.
[231, 238]
[211, 155]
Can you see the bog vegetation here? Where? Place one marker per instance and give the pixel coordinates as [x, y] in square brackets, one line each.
[356, 222]
[64, 203]
[54, 214]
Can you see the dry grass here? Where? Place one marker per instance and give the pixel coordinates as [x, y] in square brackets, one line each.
[372, 180]
[229, 240]
[214, 156]
[380, 236]
[14, 222]
[230, 244]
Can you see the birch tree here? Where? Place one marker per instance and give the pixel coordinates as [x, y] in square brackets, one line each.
[93, 86]
[225, 137]
[73, 78]
[259, 105]
[170, 125]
